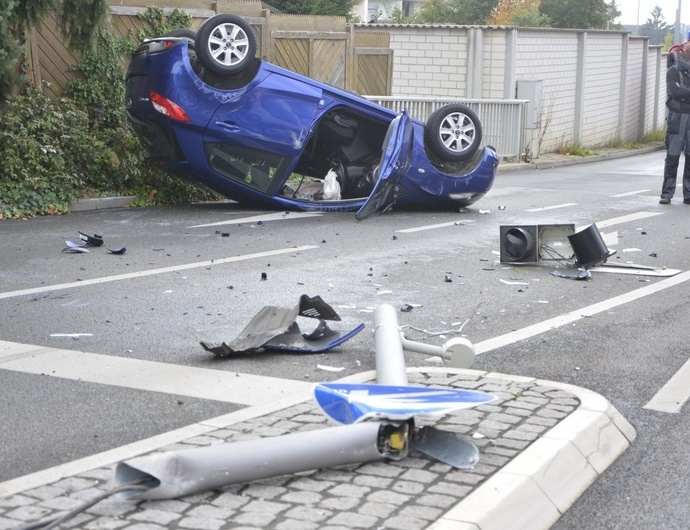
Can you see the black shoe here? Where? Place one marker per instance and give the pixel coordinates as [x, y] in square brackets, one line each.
[665, 200]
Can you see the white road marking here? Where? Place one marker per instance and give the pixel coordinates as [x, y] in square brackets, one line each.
[626, 218]
[432, 227]
[627, 194]
[279, 216]
[673, 395]
[151, 272]
[589, 311]
[554, 207]
[637, 272]
[190, 381]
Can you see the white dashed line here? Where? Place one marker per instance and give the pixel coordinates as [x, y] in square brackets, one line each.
[151, 272]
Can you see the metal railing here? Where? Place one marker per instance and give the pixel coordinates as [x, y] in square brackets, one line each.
[503, 120]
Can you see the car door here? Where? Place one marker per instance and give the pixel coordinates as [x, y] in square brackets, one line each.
[395, 160]
[274, 116]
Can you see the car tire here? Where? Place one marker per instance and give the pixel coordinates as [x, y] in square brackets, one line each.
[225, 44]
[453, 132]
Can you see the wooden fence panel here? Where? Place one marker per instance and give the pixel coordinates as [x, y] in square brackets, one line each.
[291, 53]
[373, 71]
[319, 55]
[328, 61]
[50, 58]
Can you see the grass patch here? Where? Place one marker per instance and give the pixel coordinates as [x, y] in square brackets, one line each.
[573, 150]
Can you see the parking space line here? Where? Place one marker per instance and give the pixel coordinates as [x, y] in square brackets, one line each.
[279, 216]
[589, 311]
[151, 272]
[554, 207]
[627, 218]
[432, 227]
[673, 395]
[629, 193]
[190, 381]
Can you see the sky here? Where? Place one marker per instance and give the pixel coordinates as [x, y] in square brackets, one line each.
[628, 9]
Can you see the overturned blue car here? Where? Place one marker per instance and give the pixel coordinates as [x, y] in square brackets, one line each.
[208, 110]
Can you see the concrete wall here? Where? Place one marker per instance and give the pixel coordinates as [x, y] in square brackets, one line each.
[598, 87]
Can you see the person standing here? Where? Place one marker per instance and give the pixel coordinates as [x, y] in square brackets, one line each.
[677, 124]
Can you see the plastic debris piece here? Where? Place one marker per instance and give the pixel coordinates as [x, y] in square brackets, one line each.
[117, 250]
[513, 282]
[91, 241]
[276, 328]
[582, 274]
[74, 247]
[330, 368]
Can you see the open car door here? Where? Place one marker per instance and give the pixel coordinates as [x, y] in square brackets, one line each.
[395, 160]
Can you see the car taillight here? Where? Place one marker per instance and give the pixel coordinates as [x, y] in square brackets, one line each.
[169, 108]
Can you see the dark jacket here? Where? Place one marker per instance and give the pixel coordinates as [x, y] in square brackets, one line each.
[678, 85]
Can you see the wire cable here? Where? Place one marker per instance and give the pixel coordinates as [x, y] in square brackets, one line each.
[54, 522]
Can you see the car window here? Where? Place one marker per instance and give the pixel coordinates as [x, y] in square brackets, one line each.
[252, 167]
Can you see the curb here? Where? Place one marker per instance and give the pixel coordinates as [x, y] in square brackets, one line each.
[539, 485]
[550, 161]
[101, 203]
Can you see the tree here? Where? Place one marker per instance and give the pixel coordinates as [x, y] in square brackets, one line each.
[464, 12]
[316, 7]
[613, 14]
[524, 13]
[655, 27]
[476, 11]
[576, 14]
[79, 22]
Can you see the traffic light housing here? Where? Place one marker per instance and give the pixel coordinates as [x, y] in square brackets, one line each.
[533, 243]
[519, 244]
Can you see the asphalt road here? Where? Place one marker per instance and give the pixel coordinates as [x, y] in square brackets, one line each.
[124, 330]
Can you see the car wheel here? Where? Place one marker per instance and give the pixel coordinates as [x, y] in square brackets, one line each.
[453, 132]
[225, 44]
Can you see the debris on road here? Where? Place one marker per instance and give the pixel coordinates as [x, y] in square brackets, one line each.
[91, 241]
[275, 328]
[73, 247]
[582, 274]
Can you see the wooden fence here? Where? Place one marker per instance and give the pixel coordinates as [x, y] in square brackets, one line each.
[324, 48]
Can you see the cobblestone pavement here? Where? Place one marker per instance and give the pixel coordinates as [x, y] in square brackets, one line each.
[412, 493]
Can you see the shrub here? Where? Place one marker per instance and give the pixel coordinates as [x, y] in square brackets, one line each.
[82, 146]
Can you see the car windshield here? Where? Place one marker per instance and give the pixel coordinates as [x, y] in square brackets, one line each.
[259, 169]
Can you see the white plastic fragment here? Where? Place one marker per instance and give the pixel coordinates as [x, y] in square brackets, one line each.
[513, 282]
[327, 368]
